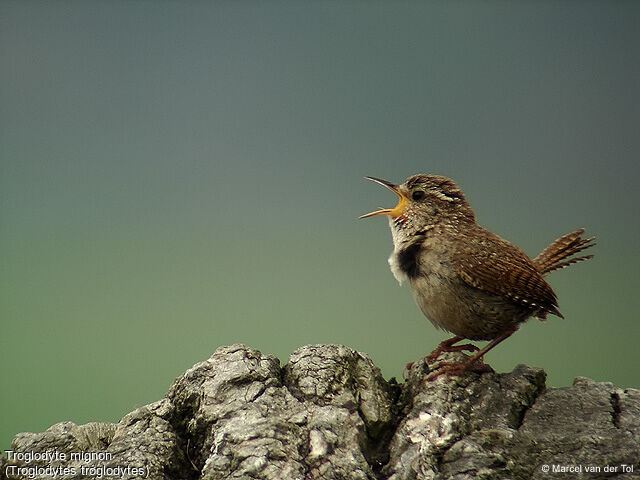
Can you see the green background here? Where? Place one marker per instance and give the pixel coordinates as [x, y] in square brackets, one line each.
[176, 176]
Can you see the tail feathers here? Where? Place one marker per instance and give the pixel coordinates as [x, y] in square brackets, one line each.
[556, 255]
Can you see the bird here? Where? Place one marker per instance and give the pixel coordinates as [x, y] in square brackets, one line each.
[464, 278]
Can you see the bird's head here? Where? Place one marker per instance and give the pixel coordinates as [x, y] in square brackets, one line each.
[423, 202]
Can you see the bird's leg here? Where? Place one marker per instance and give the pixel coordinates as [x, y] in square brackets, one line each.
[445, 346]
[448, 346]
[456, 368]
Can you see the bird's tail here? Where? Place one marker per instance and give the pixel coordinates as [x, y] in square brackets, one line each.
[557, 255]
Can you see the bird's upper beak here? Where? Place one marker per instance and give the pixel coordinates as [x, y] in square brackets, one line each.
[395, 211]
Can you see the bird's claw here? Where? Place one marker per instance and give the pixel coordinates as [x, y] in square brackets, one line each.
[458, 368]
[433, 356]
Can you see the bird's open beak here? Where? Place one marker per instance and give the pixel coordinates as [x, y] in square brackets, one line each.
[395, 211]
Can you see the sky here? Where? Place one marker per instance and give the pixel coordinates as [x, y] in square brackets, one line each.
[178, 176]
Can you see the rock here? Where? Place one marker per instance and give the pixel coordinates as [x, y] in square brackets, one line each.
[329, 414]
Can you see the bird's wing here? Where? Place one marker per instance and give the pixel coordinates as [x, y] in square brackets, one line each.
[498, 267]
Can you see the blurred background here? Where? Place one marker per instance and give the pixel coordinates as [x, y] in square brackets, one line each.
[177, 176]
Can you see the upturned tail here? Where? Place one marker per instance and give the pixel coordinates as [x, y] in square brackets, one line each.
[558, 254]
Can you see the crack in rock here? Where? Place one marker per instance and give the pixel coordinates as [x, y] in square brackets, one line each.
[615, 409]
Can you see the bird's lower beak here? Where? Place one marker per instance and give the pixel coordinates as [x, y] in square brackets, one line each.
[395, 211]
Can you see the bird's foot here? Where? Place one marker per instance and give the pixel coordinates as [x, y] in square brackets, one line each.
[443, 347]
[447, 346]
[458, 368]
[409, 366]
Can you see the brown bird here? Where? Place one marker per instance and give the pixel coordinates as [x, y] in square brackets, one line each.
[466, 279]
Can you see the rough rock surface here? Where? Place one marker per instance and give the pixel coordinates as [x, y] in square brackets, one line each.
[329, 414]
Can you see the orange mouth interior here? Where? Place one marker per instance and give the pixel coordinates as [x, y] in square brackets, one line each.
[392, 212]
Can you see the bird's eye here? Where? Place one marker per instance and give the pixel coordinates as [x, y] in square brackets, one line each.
[418, 195]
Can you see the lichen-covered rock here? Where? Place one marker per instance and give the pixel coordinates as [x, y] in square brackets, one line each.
[455, 424]
[329, 414]
[142, 444]
[248, 418]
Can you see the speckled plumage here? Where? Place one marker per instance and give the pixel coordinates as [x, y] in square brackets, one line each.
[466, 279]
